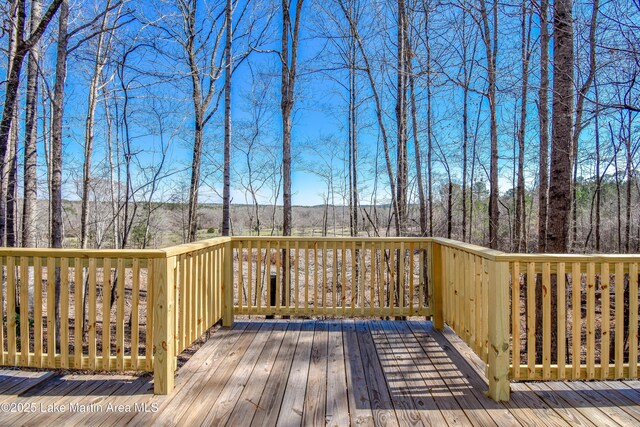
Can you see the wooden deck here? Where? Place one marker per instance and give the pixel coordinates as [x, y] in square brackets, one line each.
[267, 373]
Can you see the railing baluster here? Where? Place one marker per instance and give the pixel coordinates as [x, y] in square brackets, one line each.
[78, 310]
[515, 319]
[11, 310]
[362, 279]
[562, 320]
[619, 338]
[296, 272]
[576, 321]
[401, 279]
[135, 312]
[148, 351]
[306, 277]
[411, 271]
[605, 310]
[240, 284]
[51, 309]
[2, 318]
[531, 319]
[259, 282]
[354, 276]
[591, 320]
[334, 279]
[64, 314]
[480, 303]
[372, 288]
[287, 278]
[106, 312]
[120, 316]
[249, 276]
[267, 268]
[24, 310]
[633, 320]
[546, 320]
[91, 321]
[37, 311]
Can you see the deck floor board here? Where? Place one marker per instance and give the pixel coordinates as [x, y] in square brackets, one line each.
[321, 372]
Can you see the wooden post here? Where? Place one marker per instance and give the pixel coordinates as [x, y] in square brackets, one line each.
[227, 286]
[498, 331]
[163, 325]
[438, 285]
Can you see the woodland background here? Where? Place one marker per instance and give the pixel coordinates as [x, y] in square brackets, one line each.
[512, 125]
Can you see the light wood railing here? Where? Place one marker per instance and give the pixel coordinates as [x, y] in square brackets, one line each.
[586, 310]
[158, 302]
[111, 287]
[472, 288]
[331, 276]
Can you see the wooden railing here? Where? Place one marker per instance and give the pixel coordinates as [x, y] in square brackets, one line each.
[585, 308]
[331, 276]
[158, 302]
[113, 290]
[472, 286]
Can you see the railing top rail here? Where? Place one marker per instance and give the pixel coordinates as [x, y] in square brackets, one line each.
[568, 258]
[331, 239]
[195, 246]
[82, 253]
[490, 254]
[182, 249]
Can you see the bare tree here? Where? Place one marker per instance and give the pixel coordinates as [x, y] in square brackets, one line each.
[490, 39]
[579, 125]
[30, 187]
[22, 46]
[561, 130]
[543, 118]
[226, 198]
[520, 235]
[289, 59]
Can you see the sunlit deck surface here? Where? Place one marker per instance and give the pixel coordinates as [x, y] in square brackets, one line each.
[307, 372]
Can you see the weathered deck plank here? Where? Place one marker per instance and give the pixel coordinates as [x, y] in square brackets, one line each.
[247, 404]
[381, 405]
[359, 404]
[268, 407]
[337, 409]
[312, 372]
[315, 401]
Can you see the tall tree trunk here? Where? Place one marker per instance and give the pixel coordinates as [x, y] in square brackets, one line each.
[543, 117]
[561, 129]
[401, 117]
[287, 92]
[12, 184]
[598, 189]
[56, 149]
[226, 190]
[30, 186]
[490, 38]
[577, 129]
[22, 46]
[465, 124]
[89, 132]
[379, 114]
[353, 132]
[630, 178]
[520, 212]
[429, 119]
[418, 154]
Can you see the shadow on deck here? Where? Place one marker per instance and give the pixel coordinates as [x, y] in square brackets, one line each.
[317, 372]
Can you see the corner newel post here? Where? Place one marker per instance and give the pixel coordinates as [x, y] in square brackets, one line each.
[227, 286]
[498, 331]
[438, 285]
[163, 325]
